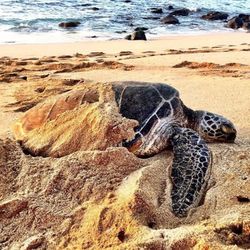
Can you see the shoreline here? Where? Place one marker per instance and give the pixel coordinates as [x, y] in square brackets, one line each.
[116, 46]
[112, 37]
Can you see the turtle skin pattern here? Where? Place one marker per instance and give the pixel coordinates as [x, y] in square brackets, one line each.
[162, 122]
[190, 170]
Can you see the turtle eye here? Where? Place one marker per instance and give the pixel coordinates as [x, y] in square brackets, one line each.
[227, 129]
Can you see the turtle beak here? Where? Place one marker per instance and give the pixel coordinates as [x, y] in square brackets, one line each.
[231, 137]
[230, 132]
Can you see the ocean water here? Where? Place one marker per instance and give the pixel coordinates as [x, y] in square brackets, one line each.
[27, 21]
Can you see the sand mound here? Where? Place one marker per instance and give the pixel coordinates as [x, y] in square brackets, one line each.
[225, 70]
[108, 198]
[112, 199]
[195, 65]
[47, 196]
[84, 119]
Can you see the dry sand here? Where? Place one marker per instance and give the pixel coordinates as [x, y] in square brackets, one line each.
[110, 199]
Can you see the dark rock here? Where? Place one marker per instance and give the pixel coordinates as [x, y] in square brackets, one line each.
[156, 10]
[95, 8]
[198, 10]
[170, 19]
[180, 12]
[69, 24]
[128, 37]
[127, 1]
[235, 23]
[246, 26]
[170, 7]
[141, 28]
[83, 5]
[138, 35]
[244, 17]
[152, 18]
[120, 31]
[215, 15]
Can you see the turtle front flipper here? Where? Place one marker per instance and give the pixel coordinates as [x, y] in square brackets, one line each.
[190, 170]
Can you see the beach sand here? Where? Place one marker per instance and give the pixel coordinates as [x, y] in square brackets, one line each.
[110, 199]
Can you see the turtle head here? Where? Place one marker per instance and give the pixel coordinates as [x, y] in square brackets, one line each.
[213, 127]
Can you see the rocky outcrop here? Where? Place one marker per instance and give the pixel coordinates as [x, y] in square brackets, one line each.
[141, 28]
[180, 12]
[138, 34]
[235, 23]
[127, 37]
[246, 26]
[69, 24]
[170, 19]
[240, 21]
[245, 17]
[152, 17]
[215, 15]
[156, 10]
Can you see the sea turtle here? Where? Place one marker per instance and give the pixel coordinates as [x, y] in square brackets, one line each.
[163, 121]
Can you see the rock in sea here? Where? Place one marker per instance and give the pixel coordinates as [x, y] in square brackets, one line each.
[141, 28]
[240, 21]
[69, 24]
[156, 10]
[235, 23]
[215, 15]
[170, 19]
[244, 17]
[246, 26]
[137, 35]
[180, 12]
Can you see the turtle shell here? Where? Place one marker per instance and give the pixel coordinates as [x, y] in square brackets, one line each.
[81, 119]
[50, 109]
[50, 127]
[146, 102]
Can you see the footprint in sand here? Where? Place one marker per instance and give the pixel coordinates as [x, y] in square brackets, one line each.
[30, 59]
[96, 53]
[79, 55]
[100, 60]
[126, 53]
[149, 52]
[64, 57]
[228, 50]
[48, 60]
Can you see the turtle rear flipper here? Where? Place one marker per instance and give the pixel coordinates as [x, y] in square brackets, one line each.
[190, 170]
